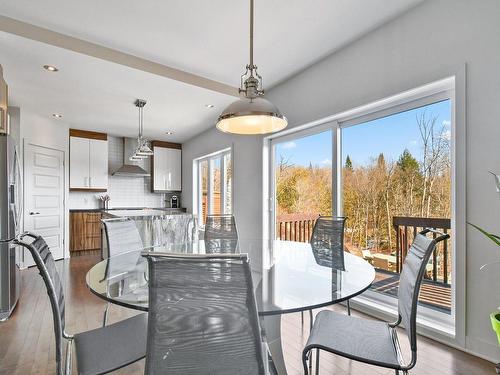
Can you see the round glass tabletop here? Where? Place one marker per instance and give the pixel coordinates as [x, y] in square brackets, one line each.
[287, 276]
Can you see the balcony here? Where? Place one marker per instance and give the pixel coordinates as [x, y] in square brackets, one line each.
[388, 260]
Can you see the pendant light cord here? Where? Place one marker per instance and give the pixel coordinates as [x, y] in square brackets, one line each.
[251, 33]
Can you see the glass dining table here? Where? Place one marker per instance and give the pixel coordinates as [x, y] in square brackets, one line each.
[287, 277]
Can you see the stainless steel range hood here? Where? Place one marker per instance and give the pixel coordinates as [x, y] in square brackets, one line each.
[131, 168]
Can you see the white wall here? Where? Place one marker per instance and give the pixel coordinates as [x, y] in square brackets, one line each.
[430, 42]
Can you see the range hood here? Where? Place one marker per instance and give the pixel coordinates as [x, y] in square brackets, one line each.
[131, 168]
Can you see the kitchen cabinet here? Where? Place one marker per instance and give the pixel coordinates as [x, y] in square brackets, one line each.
[166, 167]
[88, 161]
[85, 231]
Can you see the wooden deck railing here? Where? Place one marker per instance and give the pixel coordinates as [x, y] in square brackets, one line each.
[407, 228]
[295, 230]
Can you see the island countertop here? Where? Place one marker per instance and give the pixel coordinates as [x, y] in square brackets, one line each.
[143, 213]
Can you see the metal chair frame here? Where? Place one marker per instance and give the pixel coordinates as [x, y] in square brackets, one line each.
[411, 331]
[59, 329]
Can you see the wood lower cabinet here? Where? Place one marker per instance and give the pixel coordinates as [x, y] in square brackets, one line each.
[85, 231]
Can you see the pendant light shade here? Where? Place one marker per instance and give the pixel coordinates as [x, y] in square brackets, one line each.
[143, 150]
[252, 114]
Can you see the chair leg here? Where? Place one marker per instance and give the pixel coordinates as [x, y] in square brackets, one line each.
[348, 308]
[105, 317]
[305, 355]
[311, 320]
[317, 361]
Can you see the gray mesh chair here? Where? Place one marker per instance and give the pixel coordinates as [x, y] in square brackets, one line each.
[98, 351]
[202, 316]
[122, 236]
[221, 235]
[327, 244]
[376, 342]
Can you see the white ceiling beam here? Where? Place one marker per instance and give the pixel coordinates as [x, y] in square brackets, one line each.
[39, 34]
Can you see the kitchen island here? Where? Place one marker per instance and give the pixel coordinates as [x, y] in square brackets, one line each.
[157, 227]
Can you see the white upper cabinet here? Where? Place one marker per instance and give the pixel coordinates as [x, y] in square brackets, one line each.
[167, 167]
[88, 161]
[78, 163]
[98, 164]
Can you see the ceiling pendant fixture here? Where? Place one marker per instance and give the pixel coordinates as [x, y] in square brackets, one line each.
[143, 150]
[252, 114]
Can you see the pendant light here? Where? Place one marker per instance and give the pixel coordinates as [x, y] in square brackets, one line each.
[252, 114]
[143, 150]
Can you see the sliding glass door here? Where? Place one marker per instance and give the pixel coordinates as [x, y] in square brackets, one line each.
[390, 173]
[396, 180]
[302, 182]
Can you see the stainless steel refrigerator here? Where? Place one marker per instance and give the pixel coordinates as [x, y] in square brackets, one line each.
[10, 218]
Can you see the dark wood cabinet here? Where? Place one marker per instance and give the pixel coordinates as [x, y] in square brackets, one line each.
[85, 231]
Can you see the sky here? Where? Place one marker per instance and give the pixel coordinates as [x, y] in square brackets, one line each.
[390, 135]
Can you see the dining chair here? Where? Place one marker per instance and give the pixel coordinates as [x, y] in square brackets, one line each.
[202, 316]
[98, 351]
[327, 244]
[122, 236]
[221, 235]
[376, 342]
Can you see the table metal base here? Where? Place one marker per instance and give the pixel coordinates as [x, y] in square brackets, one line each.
[272, 328]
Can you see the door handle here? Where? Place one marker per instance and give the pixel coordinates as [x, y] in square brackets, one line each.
[34, 213]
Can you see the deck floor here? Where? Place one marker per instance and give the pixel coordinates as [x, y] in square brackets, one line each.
[27, 343]
[437, 296]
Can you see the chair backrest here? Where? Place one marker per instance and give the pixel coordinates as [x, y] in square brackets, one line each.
[411, 278]
[47, 267]
[327, 241]
[202, 316]
[221, 235]
[122, 236]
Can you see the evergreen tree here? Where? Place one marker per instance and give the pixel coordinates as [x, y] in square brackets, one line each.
[348, 163]
[407, 162]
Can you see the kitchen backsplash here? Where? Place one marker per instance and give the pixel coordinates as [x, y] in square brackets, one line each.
[123, 191]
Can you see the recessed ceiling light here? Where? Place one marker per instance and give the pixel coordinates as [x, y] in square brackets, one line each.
[209, 105]
[50, 68]
[57, 115]
[169, 133]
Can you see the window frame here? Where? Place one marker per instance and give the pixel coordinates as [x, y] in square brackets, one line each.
[197, 183]
[453, 88]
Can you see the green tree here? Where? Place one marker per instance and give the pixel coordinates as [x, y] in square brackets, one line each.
[348, 163]
[407, 163]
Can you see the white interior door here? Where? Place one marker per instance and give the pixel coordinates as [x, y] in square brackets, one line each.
[44, 196]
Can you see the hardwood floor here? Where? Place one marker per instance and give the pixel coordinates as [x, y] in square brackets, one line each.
[27, 343]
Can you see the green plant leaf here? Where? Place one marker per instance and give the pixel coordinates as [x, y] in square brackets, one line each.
[493, 237]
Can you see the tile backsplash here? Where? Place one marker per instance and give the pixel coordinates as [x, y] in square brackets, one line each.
[123, 191]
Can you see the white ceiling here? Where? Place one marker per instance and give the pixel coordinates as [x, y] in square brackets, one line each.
[208, 38]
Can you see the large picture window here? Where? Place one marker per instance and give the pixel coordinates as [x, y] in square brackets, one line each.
[389, 170]
[213, 184]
